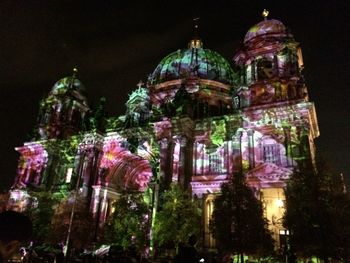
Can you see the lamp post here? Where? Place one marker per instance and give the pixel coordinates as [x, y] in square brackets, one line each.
[155, 188]
[66, 247]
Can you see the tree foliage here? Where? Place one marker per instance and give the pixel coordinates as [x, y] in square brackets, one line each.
[318, 213]
[129, 224]
[82, 227]
[237, 222]
[41, 211]
[178, 218]
[4, 198]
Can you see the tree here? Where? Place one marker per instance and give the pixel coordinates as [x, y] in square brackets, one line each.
[317, 213]
[237, 222]
[41, 212]
[128, 225]
[82, 226]
[178, 218]
[4, 198]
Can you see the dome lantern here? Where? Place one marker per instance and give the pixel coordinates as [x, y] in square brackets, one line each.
[195, 42]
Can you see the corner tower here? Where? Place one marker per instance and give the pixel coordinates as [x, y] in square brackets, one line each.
[279, 122]
[271, 66]
[63, 111]
[47, 161]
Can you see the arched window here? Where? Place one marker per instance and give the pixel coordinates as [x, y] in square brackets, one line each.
[264, 69]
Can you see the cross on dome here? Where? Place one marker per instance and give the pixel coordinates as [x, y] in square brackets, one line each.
[140, 84]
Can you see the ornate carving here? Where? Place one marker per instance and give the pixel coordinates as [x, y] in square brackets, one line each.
[267, 174]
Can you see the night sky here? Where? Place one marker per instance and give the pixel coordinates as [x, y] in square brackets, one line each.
[114, 45]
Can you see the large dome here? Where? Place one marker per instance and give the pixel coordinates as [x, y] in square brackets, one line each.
[266, 28]
[195, 62]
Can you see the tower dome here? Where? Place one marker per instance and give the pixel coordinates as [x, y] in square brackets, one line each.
[69, 85]
[266, 28]
[62, 113]
[271, 64]
[194, 61]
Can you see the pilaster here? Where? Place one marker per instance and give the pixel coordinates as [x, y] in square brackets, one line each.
[251, 154]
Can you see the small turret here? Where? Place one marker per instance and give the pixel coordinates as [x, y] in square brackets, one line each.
[63, 111]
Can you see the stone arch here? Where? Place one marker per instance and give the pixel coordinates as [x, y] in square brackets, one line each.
[129, 173]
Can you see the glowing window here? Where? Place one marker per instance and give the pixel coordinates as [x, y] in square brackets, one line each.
[215, 163]
[271, 153]
[69, 175]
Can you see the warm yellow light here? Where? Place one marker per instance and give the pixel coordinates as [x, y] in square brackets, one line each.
[109, 156]
[69, 175]
[265, 13]
[279, 203]
[284, 232]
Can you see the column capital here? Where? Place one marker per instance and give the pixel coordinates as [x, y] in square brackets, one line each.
[250, 132]
[181, 139]
[163, 143]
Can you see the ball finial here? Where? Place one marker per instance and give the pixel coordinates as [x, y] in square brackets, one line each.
[75, 72]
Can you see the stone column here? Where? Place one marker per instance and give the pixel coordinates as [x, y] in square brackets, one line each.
[287, 140]
[254, 71]
[104, 208]
[239, 141]
[194, 157]
[28, 171]
[275, 66]
[188, 163]
[175, 160]
[166, 160]
[86, 171]
[182, 161]
[251, 153]
[88, 161]
[235, 165]
[163, 143]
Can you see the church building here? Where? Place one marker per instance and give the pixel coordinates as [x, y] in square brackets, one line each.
[198, 120]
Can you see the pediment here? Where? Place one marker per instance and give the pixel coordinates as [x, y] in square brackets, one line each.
[268, 175]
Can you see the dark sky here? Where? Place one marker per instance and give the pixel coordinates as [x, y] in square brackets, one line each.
[114, 45]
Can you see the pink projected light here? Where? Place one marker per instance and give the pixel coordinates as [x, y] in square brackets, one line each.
[126, 171]
[32, 161]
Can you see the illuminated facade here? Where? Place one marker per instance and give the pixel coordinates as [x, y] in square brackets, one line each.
[195, 122]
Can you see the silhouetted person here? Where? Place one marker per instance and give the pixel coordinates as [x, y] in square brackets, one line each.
[188, 254]
[15, 228]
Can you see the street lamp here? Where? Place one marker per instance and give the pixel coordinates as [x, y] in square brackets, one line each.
[66, 247]
[279, 203]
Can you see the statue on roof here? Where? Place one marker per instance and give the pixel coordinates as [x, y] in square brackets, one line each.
[138, 106]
